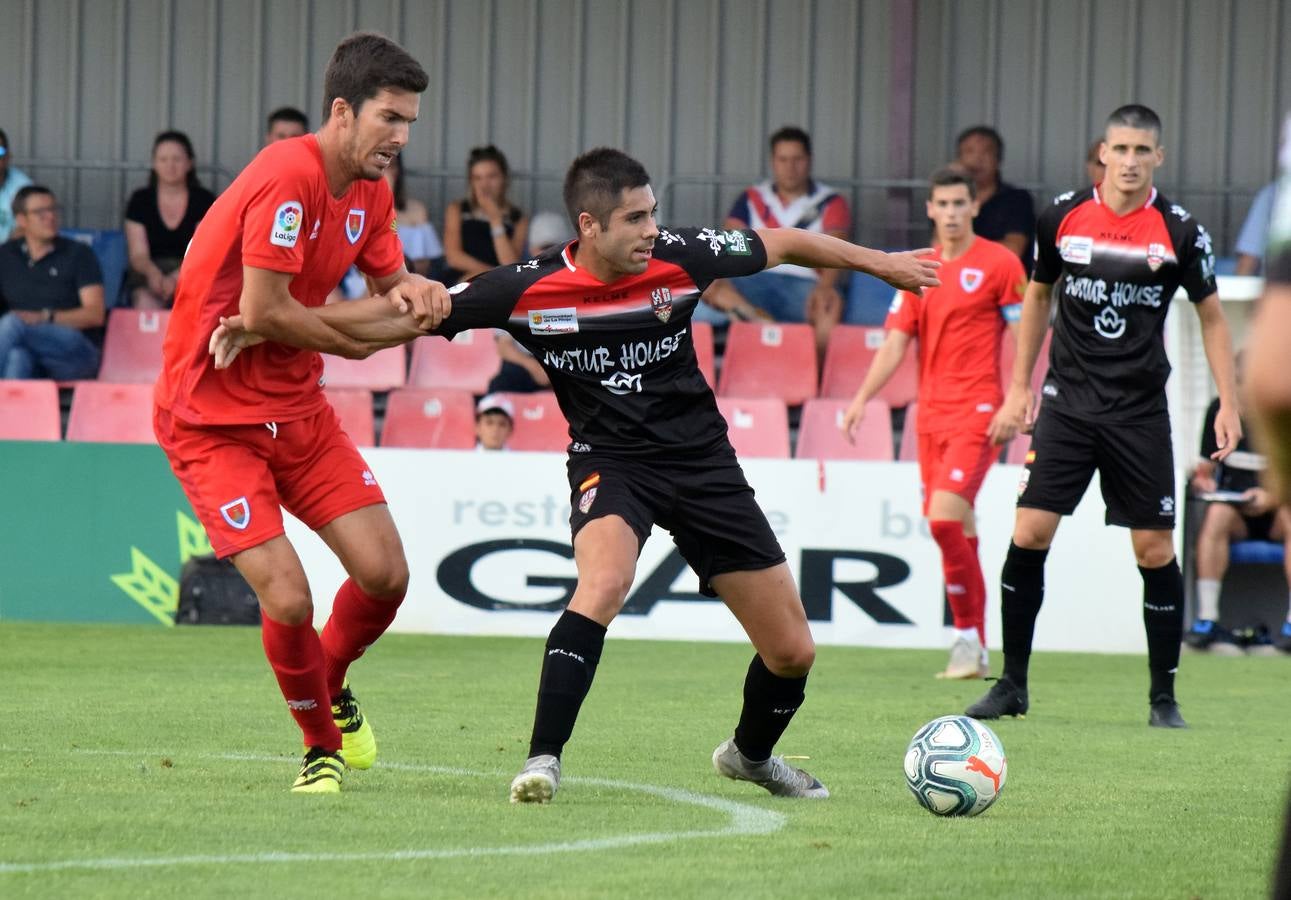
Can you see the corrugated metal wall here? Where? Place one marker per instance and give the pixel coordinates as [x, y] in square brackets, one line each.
[691, 87]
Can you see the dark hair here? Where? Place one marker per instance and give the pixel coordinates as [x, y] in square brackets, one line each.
[176, 137]
[596, 181]
[19, 204]
[363, 65]
[985, 131]
[790, 133]
[492, 154]
[949, 177]
[1136, 115]
[287, 114]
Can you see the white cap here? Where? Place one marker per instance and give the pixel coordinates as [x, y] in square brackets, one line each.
[548, 228]
[495, 403]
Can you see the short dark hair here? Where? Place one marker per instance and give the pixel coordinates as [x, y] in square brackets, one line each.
[176, 137]
[19, 204]
[596, 181]
[1136, 115]
[487, 153]
[366, 63]
[287, 114]
[790, 133]
[985, 131]
[947, 177]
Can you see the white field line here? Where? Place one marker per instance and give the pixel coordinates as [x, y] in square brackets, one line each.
[743, 819]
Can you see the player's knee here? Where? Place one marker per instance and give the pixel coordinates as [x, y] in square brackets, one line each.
[390, 579]
[606, 588]
[946, 532]
[1154, 556]
[288, 606]
[791, 660]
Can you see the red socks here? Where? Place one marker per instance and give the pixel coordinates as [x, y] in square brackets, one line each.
[979, 591]
[296, 657]
[965, 586]
[357, 620]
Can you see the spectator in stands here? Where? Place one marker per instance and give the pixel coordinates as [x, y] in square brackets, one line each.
[494, 422]
[52, 290]
[421, 246]
[1005, 213]
[485, 229]
[12, 180]
[1253, 237]
[790, 198]
[285, 122]
[161, 219]
[1094, 168]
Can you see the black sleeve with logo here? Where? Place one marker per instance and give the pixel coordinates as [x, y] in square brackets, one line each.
[712, 253]
[1048, 260]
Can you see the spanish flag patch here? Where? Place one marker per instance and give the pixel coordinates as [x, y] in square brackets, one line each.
[593, 480]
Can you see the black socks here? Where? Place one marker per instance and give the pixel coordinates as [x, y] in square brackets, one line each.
[1021, 594]
[1163, 622]
[769, 704]
[572, 653]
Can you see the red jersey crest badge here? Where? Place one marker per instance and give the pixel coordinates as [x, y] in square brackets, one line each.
[661, 303]
[969, 279]
[1156, 256]
[354, 225]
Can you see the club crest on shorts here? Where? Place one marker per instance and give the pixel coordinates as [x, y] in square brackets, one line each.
[354, 225]
[585, 502]
[237, 513]
[1156, 256]
[661, 303]
[969, 279]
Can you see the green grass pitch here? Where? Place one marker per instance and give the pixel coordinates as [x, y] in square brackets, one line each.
[143, 762]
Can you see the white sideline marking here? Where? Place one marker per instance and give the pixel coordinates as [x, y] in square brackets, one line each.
[745, 819]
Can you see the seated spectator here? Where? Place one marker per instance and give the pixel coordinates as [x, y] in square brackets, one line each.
[1253, 237]
[790, 198]
[1240, 509]
[285, 122]
[12, 180]
[1005, 213]
[484, 229]
[52, 290]
[161, 219]
[1094, 168]
[494, 422]
[420, 241]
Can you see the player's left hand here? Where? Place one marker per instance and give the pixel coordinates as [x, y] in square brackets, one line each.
[1228, 431]
[911, 270]
[230, 339]
[428, 302]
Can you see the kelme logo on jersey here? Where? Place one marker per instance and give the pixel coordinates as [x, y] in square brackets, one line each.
[237, 513]
[1156, 256]
[354, 225]
[554, 321]
[661, 303]
[286, 224]
[969, 279]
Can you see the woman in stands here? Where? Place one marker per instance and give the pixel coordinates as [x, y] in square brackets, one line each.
[161, 219]
[485, 229]
[420, 240]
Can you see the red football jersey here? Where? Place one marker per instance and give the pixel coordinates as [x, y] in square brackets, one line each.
[278, 214]
[959, 326]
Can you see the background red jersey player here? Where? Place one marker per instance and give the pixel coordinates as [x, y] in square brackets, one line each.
[958, 326]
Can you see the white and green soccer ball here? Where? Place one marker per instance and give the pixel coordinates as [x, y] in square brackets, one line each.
[955, 766]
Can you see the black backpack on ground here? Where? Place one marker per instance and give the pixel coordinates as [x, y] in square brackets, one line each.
[213, 592]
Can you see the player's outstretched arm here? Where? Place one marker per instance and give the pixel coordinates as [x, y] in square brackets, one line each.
[908, 270]
[1017, 414]
[1218, 344]
[885, 362]
[268, 310]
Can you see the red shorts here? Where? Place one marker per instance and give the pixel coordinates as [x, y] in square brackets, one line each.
[239, 478]
[954, 461]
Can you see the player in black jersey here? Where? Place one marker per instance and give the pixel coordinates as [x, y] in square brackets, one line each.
[608, 317]
[1117, 252]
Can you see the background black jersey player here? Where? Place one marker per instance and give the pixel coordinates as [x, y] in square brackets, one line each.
[1117, 251]
[608, 317]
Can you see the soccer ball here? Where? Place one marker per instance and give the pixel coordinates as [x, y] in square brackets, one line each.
[955, 766]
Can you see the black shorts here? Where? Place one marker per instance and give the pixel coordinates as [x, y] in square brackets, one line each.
[1134, 460]
[706, 504]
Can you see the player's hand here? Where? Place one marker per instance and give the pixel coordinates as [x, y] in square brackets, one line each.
[1015, 416]
[1257, 502]
[230, 339]
[911, 270]
[428, 302]
[1228, 432]
[852, 419]
[1203, 481]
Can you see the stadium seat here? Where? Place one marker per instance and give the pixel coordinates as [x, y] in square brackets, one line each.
[868, 300]
[111, 413]
[354, 408]
[384, 370]
[29, 411]
[702, 334]
[819, 436]
[539, 423]
[774, 361]
[756, 426]
[132, 346]
[1009, 353]
[469, 361]
[109, 246]
[847, 358]
[909, 449]
[429, 417]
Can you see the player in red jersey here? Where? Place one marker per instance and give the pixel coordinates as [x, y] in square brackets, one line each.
[246, 442]
[958, 326]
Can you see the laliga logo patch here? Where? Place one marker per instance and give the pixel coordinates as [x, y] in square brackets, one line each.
[286, 224]
[970, 279]
[354, 225]
[1156, 256]
[237, 513]
[661, 303]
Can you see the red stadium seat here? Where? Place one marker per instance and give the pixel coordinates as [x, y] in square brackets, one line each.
[132, 346]
[111, 413]
[756, 426]
[777, 361]
[539, 423]
[429, 417]
[702, 334]
[29, 411]
[909, 451]
[354, 408]
[819, 436]
[468, 362]
[384, 370]
[1009, 353]
[847, 358]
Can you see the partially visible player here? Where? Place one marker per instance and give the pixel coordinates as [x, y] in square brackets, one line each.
[247, 442]
[1117, 252]
[959, 326]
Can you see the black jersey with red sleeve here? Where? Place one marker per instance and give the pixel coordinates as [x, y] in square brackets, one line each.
[1115, 277]
[619, 355]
